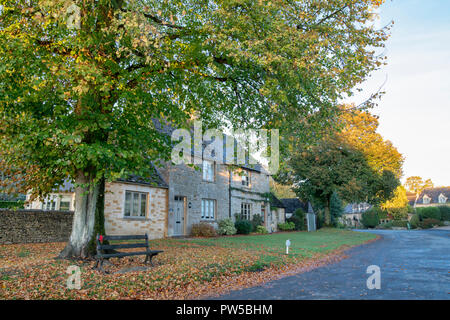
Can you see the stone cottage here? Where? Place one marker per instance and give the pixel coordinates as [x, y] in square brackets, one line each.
[180, 196]
[433, 197]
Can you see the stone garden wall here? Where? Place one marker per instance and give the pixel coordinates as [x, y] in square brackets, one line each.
[33, 226]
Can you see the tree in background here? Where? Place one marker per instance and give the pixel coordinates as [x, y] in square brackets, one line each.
[82, 82]
[280, 190]
[336, 208]
[359, 129]
[331, 167]
[397, 206]
[416, 184]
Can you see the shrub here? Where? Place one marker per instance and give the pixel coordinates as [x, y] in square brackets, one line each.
[298, 218]
[203, 229]
[12, 204]
[370, 218]
[261, 229]
[429, 213]
[445, 213]
[386, 225]
[287, 226]
[226, 227]
[415, 221]
[243, 226]
[398, 213]
[257, 220]
[400, 223]
[429, 223]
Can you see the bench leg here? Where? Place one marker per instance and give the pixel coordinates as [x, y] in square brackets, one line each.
[148, 258]
[99, 266]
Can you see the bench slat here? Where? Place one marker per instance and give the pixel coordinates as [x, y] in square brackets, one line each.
[131, 237]
[126, 254]
[122, 246]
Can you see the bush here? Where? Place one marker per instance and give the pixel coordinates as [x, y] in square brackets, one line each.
[261, 230]
[12, 204]
[243, 226]
[203, 229]
[371, 218]
[257, 220]
[287, 226]
[400, 223]
[226, 227]
[415, 221]
[429, 213]
[445, 213]
[298, 218]
[386, 225]
[429, 223]
[398, 213]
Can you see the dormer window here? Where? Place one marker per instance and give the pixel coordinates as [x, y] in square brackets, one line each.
[426, 199]
[245, 178]
[442, 198]
[208, 171]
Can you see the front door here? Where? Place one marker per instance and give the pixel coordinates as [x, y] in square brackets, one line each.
[178, 225]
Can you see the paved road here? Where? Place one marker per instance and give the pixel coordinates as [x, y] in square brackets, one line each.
[414, 265]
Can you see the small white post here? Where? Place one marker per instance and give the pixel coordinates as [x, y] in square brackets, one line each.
[288, 244]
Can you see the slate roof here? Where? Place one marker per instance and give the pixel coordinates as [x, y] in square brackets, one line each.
[292, 204]
[155, 180]
[434, 193]
[168, 130]
[275, 202]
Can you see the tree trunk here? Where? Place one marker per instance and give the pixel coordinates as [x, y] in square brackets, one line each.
[86, 195]
[99, 225]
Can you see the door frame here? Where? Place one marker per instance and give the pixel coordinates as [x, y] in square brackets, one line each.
[183, 228]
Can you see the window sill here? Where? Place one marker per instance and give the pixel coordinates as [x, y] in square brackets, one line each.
[136, 218]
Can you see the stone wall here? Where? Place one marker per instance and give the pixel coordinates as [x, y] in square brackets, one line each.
[155, 221]
[32, 226]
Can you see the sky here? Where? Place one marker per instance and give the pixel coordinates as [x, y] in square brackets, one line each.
[414, 113]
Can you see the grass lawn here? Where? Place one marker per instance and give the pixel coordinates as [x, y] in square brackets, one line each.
[190, 268]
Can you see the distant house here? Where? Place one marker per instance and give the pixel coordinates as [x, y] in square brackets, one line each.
[434, 197]
[353, 213]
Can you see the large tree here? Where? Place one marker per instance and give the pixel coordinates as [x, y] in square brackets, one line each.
[359, 129]
[333, 166]
[82, 82]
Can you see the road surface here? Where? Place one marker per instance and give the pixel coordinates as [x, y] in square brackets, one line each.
[413, 265]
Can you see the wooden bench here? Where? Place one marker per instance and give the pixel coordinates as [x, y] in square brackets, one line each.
[106, 251]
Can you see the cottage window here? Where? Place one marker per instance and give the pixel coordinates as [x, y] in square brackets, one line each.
[246, 210]
[245, 178]
[208, 209]
[208, 170]
[426, 199]
[135, 204]
[50, 203]
[442, 198]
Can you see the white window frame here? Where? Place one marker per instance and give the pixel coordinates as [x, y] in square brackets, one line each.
[208, 170]
[50, 203]
[426, 199]
[245, 178]
[139, 208]
[208, 209]
[442, 198]
[246, 210]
